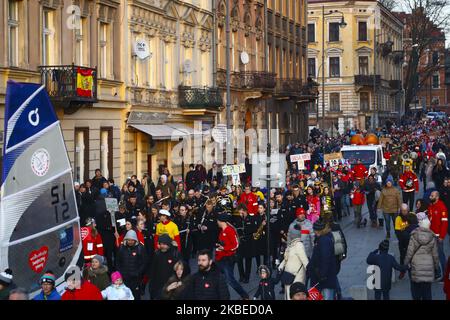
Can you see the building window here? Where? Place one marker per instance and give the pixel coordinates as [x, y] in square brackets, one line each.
[81, 51]
[363, 65]
[334, 102]
[333, 31]
[311, 32]
[106, 151]
[13, 33]
[435, 58]
[81, 164]
[435, 81]
[312, 67]
[435, 101]
[362, 31]
[105, 50]
[48, 38]
[364, 101]
[334, 67]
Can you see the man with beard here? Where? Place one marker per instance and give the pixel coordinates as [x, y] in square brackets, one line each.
[208, 283]
[438, 215]
[206, 223]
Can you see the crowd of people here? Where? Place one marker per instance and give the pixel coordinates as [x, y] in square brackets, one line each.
[160, 227]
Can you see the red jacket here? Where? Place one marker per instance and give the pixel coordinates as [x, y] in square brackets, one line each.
[251, 202]
[91, 245]
[358, 197]
[230, 243]
[87, 291]
[360, 171]
[387, 155]
[438, 215]
[409, 175]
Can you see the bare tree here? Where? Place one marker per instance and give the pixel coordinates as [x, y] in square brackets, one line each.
[389, 4]
[425, 20]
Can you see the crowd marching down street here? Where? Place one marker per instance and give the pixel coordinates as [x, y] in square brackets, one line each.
[161, 226]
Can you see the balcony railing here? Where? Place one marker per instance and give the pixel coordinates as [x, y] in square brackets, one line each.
[367, 80]
[70, 83]
[287, 86]
[199, 97]
[247, 79]
[395, 84]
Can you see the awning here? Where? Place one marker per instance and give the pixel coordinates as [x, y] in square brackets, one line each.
[161, 131]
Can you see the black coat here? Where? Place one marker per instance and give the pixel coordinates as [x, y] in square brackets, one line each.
[247, 245]
[191, 180]
[162, 270]
[266, 289]
[206, 239]
[218, 177]
[98, 182]
[210, 285]
[131, 262]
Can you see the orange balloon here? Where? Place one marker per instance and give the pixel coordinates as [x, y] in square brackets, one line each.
[357, 139]
[371, 138]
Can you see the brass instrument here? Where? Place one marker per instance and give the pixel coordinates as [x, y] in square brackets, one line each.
[257, 235]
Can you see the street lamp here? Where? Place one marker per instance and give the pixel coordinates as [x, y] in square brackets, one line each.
[342, 24]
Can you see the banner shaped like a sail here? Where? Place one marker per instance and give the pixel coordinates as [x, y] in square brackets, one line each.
[39, 224]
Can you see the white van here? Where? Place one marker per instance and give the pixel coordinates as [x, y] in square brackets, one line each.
[370, 155]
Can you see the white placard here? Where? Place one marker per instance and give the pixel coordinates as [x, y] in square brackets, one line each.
[233, 170]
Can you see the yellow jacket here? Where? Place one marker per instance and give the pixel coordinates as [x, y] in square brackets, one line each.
[400, 225]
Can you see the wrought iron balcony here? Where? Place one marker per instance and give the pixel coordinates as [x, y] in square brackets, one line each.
[290, 87]
[247, 79]
[395, 84]
[70, 85]
[199, 97]
[367, 80]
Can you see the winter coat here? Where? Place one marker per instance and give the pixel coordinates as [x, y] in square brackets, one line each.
[390, 200]
[180, 292]
[162, 269]
[266, 289]
[306, 234]
[422, 254]
[87, 291]
[98, 278]
[131, 261]
[117, 293]
[386, 262]
[357, 197]
[295, 260]
[322, 268]
[54, 295]
[209, 285]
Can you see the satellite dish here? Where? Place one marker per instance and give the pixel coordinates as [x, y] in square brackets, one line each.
[245, 58]
[141, 49]
[187, 65]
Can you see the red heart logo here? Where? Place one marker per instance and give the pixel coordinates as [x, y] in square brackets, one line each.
[206, 285]
[170, 261]
[84, 233]
[38, 259]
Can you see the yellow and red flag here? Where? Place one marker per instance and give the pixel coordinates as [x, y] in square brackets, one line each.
[85, 82]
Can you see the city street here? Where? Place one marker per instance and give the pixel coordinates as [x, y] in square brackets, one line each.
[353, 274]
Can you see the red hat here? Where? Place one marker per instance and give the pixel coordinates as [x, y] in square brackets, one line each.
[300, 211]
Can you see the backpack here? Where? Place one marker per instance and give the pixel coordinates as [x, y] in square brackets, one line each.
[339, 245]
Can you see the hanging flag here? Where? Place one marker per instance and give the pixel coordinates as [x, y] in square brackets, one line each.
[85, 82]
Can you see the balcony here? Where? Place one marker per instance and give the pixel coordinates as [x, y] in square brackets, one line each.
[199, 97]
[70, 86]
[367, 80]
[247, 79]
[289, 87]
[395, 84]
